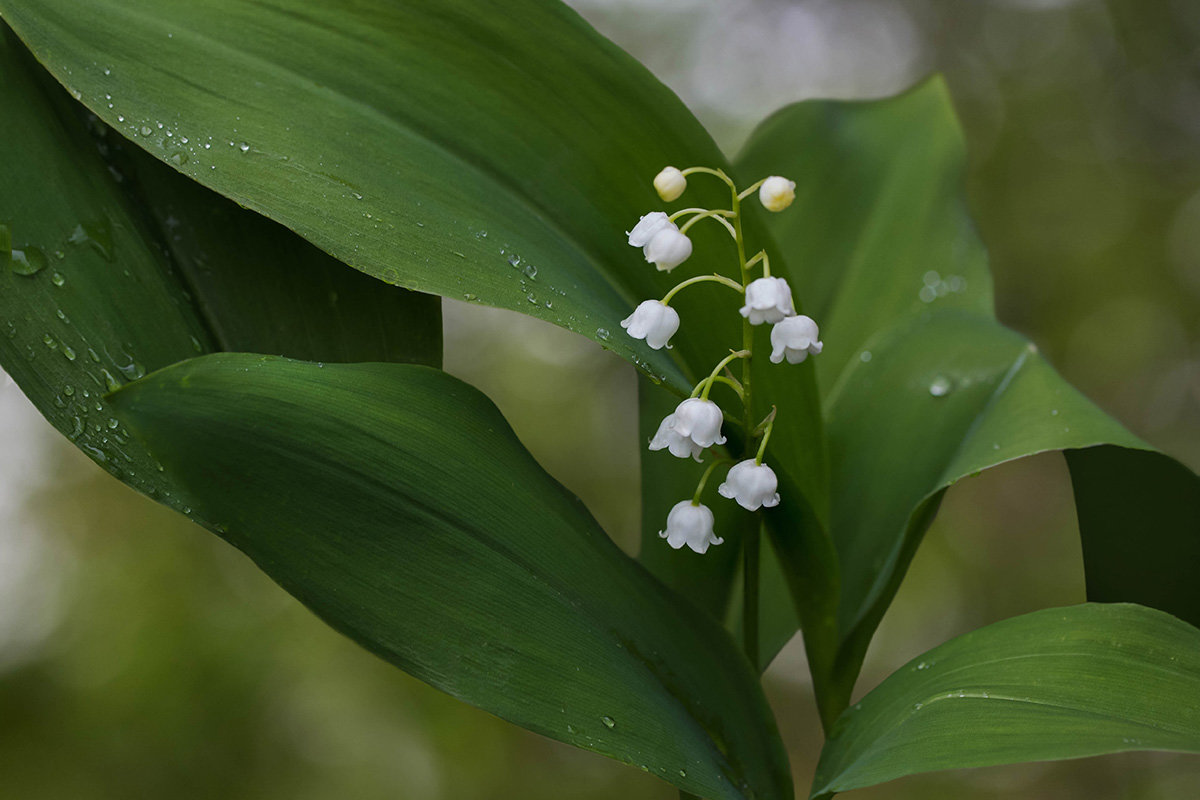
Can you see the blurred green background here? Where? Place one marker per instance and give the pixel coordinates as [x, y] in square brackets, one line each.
[141, 657]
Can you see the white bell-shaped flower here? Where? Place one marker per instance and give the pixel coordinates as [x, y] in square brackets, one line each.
[647, 226]
[695, 425]
[751, 485]
[794, 338]
[669, 184]
[700, 421]
[690, 524]
[777, 193]
[680, 446]
[668, 249]
[652, 321]
[768, 300]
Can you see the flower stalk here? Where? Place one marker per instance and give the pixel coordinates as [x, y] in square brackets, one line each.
[695, 425]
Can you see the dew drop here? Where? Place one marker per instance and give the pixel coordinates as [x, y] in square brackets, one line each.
[28, 261]
[147, 130]
[927, 294]
[57, 279]
[1054, 412]
[133, 370]
[940, 387]
[609, 722]
[864, 356]
[468, 297]
[923, 665]
[68, 352]
[931, 278]
[530, 271]
[97, 235]
[602, 334]
[244, 147]
[112, 383]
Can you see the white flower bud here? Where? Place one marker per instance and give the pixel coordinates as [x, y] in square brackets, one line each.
[768, 300]
[668, 249]
[647, 226]
[652, 321]
[669, 184]
[691, 525]
[751, 485]
[695, 425]
[794, 338]
[777, 193]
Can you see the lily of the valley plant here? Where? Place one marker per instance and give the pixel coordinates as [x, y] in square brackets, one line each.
[225, 229]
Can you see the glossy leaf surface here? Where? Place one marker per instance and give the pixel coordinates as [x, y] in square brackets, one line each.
[93, 300]
[364, 491]
[497, 157]
[921, 385]
[1061, 683]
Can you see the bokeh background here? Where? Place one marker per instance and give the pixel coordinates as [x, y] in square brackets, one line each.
[142, 658]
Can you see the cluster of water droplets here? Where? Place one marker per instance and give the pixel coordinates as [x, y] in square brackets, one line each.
[934, 286]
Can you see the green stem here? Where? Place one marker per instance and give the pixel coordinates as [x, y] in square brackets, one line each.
[750, 542]
[751, 189]
[708, 382]
[762, 446]
[721, 279]
[732, 384]
[704, 478]
[717, 216]
[717, 173]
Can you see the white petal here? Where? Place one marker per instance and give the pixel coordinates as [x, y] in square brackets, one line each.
[647, 226]
[668, 249]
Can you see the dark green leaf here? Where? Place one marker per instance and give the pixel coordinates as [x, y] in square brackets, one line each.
[921, 385]
[1060, 683]
[364, 491]
[442, 146]
[97, 301]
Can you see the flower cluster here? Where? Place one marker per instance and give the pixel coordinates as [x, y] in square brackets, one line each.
[695, 425]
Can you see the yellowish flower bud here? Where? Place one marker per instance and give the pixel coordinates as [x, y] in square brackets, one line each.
[777, 193]
[669, 184]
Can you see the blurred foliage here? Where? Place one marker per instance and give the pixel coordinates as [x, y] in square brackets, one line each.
[155, 661]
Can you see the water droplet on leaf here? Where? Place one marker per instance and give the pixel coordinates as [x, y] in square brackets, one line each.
[940, 387]
[28, 261]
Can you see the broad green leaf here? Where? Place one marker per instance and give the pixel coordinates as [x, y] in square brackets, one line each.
[448, 146]
[92, 301]
[1061, 683]
[922, 386]
[396, 502]
[443, 146]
